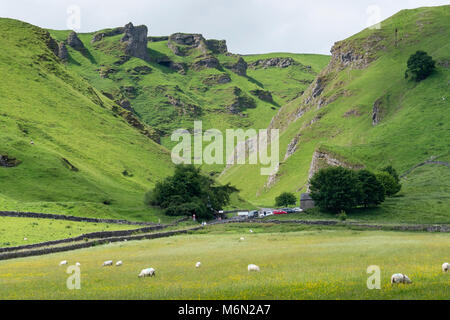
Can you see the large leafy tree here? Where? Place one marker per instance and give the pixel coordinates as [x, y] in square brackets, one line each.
[391, 186]
[420, 66]
[190, 192]
[336, 189]
[373, 192]
[286, 199]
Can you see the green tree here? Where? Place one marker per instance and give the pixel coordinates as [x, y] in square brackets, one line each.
[420, 65]
[373, 192]
[286, 199]
[391, 186]
[336, 189]
[391, 170]
[189, 192]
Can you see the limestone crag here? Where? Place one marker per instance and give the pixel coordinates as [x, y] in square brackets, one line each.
[135, 39]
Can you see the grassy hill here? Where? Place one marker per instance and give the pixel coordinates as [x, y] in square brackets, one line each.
[362, 112]
[64, 148]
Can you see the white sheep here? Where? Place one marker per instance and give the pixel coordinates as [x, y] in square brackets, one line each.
[63, 263]
[78, 264]
[150, 272]
[108, 263]
[253, 267]
[251, 231]
[445, 267]
[198, 265]
[119, 263]
[400, 278]
[242, 239]
[25, 239]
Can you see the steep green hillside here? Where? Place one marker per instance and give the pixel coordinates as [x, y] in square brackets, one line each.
[64, 147]
[362, 112]
[186, 77]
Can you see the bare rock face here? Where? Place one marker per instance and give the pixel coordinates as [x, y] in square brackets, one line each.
[376, 112]
[240, 102]
[207, 61]
[240, 67]
[135, 39]
[273, 63]
[182, 43]
[217, 46]
[75, 42]
[292, 147]
[8, 162]
[63, 54]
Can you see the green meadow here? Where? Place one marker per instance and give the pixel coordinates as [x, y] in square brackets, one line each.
[296, 263]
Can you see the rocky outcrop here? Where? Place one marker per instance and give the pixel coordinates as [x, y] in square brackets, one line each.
[240, 67]
[182, 43]
[376, 112]
[292, 147]
[140, 70]
[63, 54]
[323, 159]
[75, 42]
[217, 46]
[217, 79]
[263, 95]
[273, 63]
[135, 40]
[240, 102]
[207, 61]
[8, 162]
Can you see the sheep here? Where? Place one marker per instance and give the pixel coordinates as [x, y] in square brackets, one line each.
[25, 239]
[150, 272]
[198, 265]
[63, 263]
[252, 267]
[400, 278]
[242, 239]
[445, 267]
[108, 263]
[119, 263]
[251, 231]
[78, 264]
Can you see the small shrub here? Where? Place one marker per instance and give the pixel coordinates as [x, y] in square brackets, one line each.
[420, 65]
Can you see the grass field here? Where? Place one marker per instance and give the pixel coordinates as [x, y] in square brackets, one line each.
[296, 263]
[14, 230]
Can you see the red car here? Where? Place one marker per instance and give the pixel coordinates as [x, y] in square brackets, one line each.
[280, 212]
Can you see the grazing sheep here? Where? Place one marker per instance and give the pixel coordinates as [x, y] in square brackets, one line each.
[252, 267]
[63, 263]
[242, 239]
[251, 231]
[198, 265]
[150, 272]
[25, 239]
[119, 263]
[400, 278]
[108, 263]
[78, 264]
[445, 267]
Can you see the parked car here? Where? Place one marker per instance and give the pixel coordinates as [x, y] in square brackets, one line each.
[298, 210]
[265, 213]
[279, 212]
[253, 214]
[288, 210]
